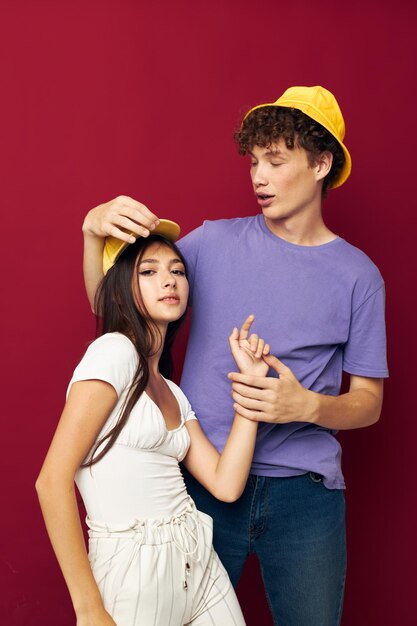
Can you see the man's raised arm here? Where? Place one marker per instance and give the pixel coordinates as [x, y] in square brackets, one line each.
[119, 218]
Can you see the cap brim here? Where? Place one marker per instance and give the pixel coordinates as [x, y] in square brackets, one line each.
[114, 247]
[346, 169]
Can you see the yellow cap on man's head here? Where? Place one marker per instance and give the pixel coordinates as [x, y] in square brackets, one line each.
[321, 105]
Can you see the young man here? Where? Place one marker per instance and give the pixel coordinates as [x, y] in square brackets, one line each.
[320, 303]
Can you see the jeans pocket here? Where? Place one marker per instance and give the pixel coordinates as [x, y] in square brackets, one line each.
[315, 478]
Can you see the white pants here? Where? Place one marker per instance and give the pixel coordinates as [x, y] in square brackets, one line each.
[163, 573]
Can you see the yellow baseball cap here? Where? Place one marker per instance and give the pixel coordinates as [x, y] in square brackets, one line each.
[114, 247]
[321, 105]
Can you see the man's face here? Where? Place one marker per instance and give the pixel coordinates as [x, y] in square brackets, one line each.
[284, 182]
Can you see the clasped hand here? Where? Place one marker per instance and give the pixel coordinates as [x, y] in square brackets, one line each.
[269, 399]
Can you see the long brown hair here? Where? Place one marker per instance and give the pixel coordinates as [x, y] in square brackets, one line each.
[120, 313]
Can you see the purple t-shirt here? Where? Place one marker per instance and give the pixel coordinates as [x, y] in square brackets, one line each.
[321, 308]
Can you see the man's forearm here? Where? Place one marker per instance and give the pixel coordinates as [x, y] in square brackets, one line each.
[283, 400]
[359, 407]
[92, 264]
[124, 218]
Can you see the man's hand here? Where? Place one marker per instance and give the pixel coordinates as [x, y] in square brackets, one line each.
[284, 399]
[119, 218]
[277, 400]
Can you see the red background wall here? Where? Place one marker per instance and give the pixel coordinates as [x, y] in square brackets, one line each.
[110, 97]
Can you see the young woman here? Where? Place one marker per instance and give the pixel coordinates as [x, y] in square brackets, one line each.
[122, 432]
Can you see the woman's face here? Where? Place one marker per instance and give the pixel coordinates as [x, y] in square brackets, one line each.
[163, 286]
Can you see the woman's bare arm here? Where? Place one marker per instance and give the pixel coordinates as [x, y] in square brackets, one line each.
[88, 406]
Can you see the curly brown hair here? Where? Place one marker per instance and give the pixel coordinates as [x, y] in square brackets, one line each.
[269, 124]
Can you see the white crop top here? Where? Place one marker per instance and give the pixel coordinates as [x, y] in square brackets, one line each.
[139, 477]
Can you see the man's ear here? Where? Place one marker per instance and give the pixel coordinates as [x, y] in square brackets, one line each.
[323, 164]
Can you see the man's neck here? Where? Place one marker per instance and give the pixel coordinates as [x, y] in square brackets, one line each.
[301, 230]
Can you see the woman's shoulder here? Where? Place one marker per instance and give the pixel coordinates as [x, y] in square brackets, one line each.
[111, 358]
[114, 342]
[113, 349]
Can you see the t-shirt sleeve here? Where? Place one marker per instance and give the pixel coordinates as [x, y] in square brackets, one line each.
[190, 248]
[189, 413]
[184, 403]
[365, 350]
[111, 358]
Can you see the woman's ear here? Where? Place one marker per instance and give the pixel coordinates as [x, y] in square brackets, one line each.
[323, 164]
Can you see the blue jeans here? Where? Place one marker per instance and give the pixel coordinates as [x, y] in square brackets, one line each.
[296, 527]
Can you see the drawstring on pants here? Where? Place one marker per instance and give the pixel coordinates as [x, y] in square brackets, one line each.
[182, 523]
[182, 529]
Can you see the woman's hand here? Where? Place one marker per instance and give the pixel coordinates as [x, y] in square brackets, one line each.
[98, 618]
[248, 351]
